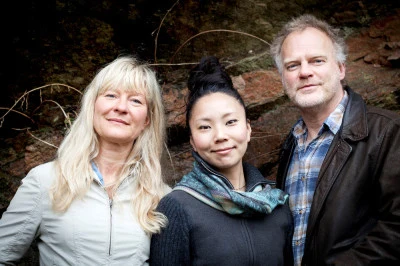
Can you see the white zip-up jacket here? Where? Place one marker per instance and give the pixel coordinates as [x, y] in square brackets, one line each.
[93, 231]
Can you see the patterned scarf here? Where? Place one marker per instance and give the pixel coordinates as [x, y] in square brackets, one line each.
[210, 188]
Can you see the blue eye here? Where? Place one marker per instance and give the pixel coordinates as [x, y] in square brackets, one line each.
[136, 101]
[109, 95]
[291, 66]
[318, 61]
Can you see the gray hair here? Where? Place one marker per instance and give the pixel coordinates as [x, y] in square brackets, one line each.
[301, 23]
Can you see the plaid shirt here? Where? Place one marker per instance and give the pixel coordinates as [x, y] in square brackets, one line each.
[303, 172]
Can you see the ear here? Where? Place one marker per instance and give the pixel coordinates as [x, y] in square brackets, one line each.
[192, 143]
[147, 122]
[342, 70]
[248, 126]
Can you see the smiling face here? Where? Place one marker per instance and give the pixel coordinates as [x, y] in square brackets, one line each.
[220, 131]
[311, 74]
[120, 116]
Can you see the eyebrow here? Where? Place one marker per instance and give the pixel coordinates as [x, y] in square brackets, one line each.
[308, 58]
[209, 119]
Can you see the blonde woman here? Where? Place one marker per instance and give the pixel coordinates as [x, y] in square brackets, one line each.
[95, 203]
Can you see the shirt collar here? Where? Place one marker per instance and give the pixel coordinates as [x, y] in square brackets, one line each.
[333, 122]
[97, 172]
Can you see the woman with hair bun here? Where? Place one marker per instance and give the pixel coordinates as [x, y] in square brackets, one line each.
[223, 212]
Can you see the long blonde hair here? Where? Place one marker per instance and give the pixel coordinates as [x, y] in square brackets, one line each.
[80, 145]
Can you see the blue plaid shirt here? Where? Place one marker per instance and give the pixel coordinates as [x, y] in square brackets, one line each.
[304, 170]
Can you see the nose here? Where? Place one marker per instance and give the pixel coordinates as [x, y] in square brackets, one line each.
[219, 134]
[121, 105]
[305, 70]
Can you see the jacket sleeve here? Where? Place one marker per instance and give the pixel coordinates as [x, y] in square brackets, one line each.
[172, 245]
[381, 246]
[20, 222]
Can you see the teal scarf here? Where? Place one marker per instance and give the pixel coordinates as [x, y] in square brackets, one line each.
[210, 188]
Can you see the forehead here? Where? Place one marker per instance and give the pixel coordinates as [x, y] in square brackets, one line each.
[216, 104]
[308, 41]
[129, 88]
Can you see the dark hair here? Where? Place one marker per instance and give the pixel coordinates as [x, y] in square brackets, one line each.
[208, 77]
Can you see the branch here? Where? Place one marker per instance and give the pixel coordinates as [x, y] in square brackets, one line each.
[158, 31]
[218, 30]
[2, 118]
[35, 89]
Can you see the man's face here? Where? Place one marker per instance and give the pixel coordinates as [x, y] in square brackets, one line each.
[311, 74]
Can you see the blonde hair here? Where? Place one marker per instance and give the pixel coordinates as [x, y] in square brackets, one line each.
[81, 145]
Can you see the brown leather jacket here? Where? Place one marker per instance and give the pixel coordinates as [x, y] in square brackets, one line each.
[355, 214]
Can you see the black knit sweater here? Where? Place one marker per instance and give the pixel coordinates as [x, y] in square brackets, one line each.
[198, 234]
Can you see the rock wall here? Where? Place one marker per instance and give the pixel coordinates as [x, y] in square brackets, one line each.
[84, 36]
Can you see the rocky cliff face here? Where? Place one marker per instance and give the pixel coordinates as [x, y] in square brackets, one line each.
[76, 38]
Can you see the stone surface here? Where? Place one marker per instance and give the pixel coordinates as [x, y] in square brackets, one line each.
[79, 43]
[65, 42]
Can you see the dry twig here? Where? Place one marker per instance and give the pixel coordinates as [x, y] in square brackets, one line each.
[158, 31]
[217, 30]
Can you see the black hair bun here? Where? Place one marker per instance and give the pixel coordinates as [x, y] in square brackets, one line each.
[208, 73]
[210, 65]
[206, 78]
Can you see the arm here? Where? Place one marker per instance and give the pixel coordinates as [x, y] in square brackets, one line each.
[172, 245]
[381, 245]
[21, 220]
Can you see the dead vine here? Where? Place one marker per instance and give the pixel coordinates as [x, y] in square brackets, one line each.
[191, 38]
[45, 142]
[15, 111]
[24, 101]
[158, 30]
[25, 95]
[216, 30]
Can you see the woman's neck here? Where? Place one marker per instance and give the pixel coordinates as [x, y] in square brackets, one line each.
[235, 175]
[110, 162]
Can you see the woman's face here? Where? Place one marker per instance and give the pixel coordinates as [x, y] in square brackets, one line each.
[120, 117]
[220, 131]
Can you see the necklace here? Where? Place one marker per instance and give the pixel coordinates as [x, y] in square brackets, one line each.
[240, 187]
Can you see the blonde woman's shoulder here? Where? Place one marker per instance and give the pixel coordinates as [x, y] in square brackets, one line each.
[43, 173]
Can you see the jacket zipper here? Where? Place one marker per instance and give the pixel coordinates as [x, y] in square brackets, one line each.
[111, 221]
[110, 201]
[250, 243]
[109, 247]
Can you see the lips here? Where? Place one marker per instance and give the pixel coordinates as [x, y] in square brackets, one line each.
[306, 86]
[117, 120]
[223, 150]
